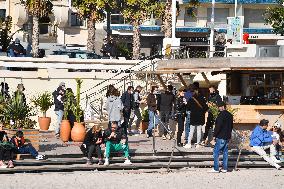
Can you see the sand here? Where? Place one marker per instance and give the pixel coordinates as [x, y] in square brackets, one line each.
[187, 178]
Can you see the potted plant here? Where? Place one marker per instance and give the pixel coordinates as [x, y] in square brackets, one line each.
[43, 102]
[16, 116]
[78, 131]
[65, 128]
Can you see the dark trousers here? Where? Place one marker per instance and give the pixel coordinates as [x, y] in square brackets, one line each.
[126, 116]
[209, 125]
[180, 120]
[28, 149]
[6, 154]
[165, 117]
[97, 149]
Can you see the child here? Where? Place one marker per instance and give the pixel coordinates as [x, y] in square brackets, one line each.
[277, 136]
[6, 150]
[92, 142]
[23, 148]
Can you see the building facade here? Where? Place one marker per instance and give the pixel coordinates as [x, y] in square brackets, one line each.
[64, 26]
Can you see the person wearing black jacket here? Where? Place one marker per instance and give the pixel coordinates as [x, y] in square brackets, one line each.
[180, 109]
[222, 135]
[128, 103]
[214, 99]
[167, 100]
[197, 107]
[116, 140]
[58, 96]
[92, 142]
[136, 108]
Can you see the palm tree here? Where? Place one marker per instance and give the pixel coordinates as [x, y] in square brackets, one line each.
[93, 11]
[37, 9]
[137, 12]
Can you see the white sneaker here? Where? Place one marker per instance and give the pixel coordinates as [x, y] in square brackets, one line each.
[213, 171]
[39, 157]
[275, 160]
[198, 146]
[106, 162]
[278, 167]
[127, 162]
[164, 137]
[223, 171]
[187, 146]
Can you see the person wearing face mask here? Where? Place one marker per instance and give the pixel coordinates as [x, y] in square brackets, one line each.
[214, 99]
[136, 108]
[152, 102]
[127, 101]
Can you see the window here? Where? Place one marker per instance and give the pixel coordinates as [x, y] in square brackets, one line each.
[2, 14]
[190, 17]
[76, 20]
[254, 18]
[221, 15]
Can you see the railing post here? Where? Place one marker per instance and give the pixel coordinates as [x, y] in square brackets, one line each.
[101, 109]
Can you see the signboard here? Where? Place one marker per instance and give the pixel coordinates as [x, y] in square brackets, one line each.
[170, 44]
[235, 30]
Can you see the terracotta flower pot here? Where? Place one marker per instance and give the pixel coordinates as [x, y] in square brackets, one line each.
[44, 123]
[65, 130]
[144, 126]
[78, 132]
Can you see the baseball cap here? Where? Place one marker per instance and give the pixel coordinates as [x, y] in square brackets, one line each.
[61, 84]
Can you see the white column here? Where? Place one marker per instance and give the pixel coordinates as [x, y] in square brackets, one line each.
[236, 5]
[211, 47]
[174, 3]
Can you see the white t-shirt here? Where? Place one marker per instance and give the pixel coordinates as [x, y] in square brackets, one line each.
[275, 136]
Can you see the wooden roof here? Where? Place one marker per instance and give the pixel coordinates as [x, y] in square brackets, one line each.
[220, 64]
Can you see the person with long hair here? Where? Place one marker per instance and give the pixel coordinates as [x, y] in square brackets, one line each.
[92, 143]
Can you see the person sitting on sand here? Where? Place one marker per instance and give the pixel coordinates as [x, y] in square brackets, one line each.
[116, 140]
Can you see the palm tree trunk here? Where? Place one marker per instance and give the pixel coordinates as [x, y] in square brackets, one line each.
[91, 35]
[168, 20]
[35, 37]
[136, 41]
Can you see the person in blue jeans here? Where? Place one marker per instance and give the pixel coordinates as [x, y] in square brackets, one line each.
[20, 143]
[187, 96]
[222, 135]
[152, 101]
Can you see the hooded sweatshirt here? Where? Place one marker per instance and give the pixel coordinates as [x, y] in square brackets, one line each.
[114, 106]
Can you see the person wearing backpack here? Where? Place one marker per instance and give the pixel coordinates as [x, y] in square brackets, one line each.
[197, 107]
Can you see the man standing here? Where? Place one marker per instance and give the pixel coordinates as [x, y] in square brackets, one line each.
[58, 96]
[167, 101]
[136, 108]
[261, 139]
[222, 135]
[127, 101]
[152, 110]
[214, 99]
[187, 96]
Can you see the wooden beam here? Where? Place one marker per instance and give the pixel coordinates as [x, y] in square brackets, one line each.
[161, 81]
[181, 79]
[206, 79]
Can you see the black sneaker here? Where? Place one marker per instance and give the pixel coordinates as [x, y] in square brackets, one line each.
[100, 162]
[180, 144]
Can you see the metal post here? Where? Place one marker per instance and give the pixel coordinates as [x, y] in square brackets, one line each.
[236, 5]
[124, 85]
[174, 14]
[211, 49]
[154, 138]
[146, 79]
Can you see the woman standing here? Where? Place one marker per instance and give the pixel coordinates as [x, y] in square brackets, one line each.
[114, 107]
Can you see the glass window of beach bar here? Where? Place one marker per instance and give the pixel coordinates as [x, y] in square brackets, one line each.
[255, 87]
